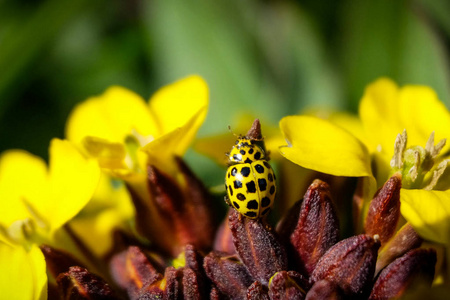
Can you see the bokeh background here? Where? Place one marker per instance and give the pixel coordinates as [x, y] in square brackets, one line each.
[270, 58]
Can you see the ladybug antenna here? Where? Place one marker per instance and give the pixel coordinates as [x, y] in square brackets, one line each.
[236, 135]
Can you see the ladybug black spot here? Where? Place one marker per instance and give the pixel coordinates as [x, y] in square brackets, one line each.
[265, 202]
[236, 205]
[251, 187]
[234, 171]
[242, 152]
[245, 171]
[237, 157]
[250, 151]
[257, 155]
[270, 177]
[248, 160]
[237, 184]
[272, 190]
[267, 164]
[253, 204]
[250, 214]
[240, 196]
[259, 169]
[262, 183]
[230, 190]
[265, 211]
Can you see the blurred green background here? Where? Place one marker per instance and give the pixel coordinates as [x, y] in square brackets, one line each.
[270, 58]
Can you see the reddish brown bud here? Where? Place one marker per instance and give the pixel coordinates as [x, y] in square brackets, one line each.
[188, 209]
[254, 132]
[384, 210]
[317, 228]
[173, 286]
[284, 286]
[215, 294]
[258, 247]
[228, 274]
[324, 289]
[192, 285]
[416, 266]
[257, 292]
[58, 261]
[132, 270]
[78, 283]
[350, 264]
[404, 240]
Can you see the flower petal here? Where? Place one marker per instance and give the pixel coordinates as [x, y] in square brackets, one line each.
[421, 113]
[22, 273]
[321, 146]
[23, 177]
[174, 105]
[162, 150]
[379, 111]
[73, 180]
[111, 116]
[428, 212]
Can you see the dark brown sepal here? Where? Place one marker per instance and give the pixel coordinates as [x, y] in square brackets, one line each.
[404, 240]
[414, 268]
[78, 283]
[324, 289]
[317, 228]
[174, 287]
[258, 247]
[132, 270]
[58, 261]
[193, 285]
[228, 274]
[350, 264]
[384, 210]
[257, 292]
[215, 294]
[284, 286]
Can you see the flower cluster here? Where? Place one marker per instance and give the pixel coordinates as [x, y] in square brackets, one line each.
[118, 214]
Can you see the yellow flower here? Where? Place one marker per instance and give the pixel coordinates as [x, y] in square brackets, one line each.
[385, 112]
[124, 133]
[35, 202]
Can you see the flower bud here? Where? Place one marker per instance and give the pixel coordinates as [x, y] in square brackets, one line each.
[257, 292]
[58, 261]
[258, 247]
[324, 289]
[384, 210]
[228, 274]
[286, 285]
[317, 228]
[350, 264]
[78, 283]
[416, 266]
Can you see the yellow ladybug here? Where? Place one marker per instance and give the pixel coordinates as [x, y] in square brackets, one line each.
[250, 180]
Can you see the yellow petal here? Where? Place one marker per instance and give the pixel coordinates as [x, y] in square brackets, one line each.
[421, 112]
[110, 155]
[23, 178]
[215, 147]
[161, 151]
[109, 209]
[428, 212]
[73, 180]
[175, 104]
[321, 146]
[22, 273]
[111, 116]
[379, 112]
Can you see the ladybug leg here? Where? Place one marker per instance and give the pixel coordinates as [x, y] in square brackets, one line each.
[227, 200]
